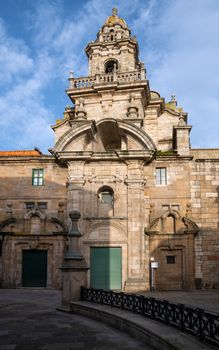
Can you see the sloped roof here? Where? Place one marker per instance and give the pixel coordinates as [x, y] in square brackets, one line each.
[21, 153]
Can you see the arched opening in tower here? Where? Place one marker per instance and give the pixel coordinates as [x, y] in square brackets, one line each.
[111, 66]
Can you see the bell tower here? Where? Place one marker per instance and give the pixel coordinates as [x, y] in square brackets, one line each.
[114, 49]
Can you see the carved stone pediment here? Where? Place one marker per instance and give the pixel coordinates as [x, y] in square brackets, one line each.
[104, 136]
[171, 223]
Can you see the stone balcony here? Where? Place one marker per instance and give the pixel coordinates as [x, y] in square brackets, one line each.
[107, 78]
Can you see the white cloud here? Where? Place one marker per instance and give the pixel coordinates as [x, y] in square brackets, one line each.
[24, 119]
[14, 57]
[187, 63]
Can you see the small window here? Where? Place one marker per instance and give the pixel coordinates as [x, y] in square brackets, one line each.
[38, 177]
[42, 205]
[161, 176]
[105, 201]
[30, 205]
[106, 198]
[171, 259]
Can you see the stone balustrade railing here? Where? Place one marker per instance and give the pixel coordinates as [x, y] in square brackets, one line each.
[122, 77]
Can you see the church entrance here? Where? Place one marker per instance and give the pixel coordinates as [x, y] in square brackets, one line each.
[106, 268]
[34, 268]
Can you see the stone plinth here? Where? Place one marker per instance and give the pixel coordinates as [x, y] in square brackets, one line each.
[74, 269]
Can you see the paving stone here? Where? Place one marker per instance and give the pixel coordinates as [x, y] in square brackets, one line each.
[32, 323]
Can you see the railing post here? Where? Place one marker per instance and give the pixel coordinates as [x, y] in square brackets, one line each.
[111, 298]
[152, 300]
[200, 313]
[166, 304]
[101, 296]
[133, 303]
[114, 75]
[92, 295]
[122, 300]
[181, 314]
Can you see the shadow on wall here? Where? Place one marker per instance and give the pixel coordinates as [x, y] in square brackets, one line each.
[34, 225]
[172, 241]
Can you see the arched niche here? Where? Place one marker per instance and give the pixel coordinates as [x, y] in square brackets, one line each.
[35, 224]
[105, 200]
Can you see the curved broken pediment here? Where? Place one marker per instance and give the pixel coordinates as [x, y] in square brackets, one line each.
[59, 225]
[171, 223]
[7, 225]
[106, 135]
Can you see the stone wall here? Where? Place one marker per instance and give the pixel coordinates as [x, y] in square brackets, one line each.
[31, 228]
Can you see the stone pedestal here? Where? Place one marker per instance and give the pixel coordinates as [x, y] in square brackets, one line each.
[74, 269]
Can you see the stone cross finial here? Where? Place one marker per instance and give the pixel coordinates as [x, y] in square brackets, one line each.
[114, 11]
[173, 97]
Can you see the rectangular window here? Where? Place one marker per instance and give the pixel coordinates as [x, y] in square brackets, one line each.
[30, 205]
[37, 177]
[161, 176]
[171, 259]
[42, 205]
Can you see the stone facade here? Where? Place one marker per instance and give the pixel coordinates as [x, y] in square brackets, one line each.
[122, 159]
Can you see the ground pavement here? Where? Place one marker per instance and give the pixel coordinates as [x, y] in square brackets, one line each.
[29, 321]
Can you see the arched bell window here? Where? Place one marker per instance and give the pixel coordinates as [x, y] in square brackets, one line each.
[110, 66]
[105, 201]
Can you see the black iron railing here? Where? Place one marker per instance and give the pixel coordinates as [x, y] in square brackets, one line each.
[195, 321]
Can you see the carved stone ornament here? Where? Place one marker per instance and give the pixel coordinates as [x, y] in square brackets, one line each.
[80, 111]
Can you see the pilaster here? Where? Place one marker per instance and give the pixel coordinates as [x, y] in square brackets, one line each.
[136, 250]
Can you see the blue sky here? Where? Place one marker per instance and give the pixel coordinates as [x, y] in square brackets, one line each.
[42, 40]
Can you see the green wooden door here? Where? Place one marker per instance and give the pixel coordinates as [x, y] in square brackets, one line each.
[34, 268]
[106, 268]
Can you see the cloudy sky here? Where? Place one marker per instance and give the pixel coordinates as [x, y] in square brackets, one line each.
[42, 40]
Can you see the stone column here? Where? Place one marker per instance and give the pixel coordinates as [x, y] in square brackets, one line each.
[136, 248]
[74, 269]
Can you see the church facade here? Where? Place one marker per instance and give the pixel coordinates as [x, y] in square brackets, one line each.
[122, 158]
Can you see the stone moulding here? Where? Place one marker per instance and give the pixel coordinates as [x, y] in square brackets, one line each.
[140, 135]
[189, 227]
